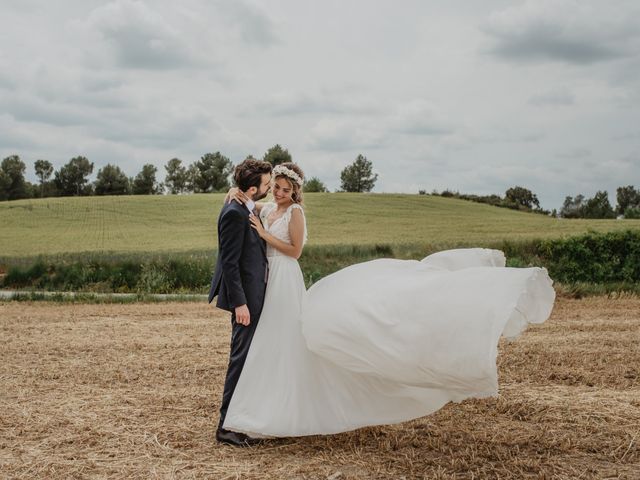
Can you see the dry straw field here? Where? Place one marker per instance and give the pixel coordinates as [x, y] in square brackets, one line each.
[132, 391]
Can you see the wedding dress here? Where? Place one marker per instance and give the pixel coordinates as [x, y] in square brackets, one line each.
[379, 342]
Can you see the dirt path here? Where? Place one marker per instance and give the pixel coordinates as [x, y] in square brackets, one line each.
[132, 391]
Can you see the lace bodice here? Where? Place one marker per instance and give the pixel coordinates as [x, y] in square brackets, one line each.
[280, 227]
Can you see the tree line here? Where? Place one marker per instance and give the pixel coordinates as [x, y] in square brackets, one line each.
[212, 172]
[515, 198]
[520, 198]
[628, 205]
[209, 174]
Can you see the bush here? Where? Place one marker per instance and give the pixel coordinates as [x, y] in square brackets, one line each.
[19, 278]
[78, 275]
[319, 261]
[593, 258]
[632, 213]
[527, 200]
[314, 184]
[605, 259]
[153, 279]
[191, 273]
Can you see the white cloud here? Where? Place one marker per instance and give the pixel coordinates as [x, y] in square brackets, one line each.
[575, 153]
[412, 88]
[250, 22]
[332, 135]
[13, 136]
[325, 101]
[571, 31]
[140, 36]
[419, 117]
[556, 96]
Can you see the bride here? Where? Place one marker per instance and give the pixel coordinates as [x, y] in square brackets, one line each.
[379, 342]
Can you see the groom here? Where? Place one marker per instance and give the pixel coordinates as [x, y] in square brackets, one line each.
[240, 278]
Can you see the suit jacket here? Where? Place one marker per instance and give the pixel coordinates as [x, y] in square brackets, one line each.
[241, 270]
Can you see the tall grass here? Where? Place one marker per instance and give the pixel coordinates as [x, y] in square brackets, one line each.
[591, 262]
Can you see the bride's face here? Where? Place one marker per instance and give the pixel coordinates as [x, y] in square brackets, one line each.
[282, 191]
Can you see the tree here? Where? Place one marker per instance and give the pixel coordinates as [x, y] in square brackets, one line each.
[73, 178]
[211, 173]
[5, 182]
[145, 182]
[522, 197]
[277, 155]
[111, 181]
[358, 176]
[572, 207]
[31, 190]
[176, 179]
[314, 185]
[627, 197]
[599, 206]
[13, 183]
[191, 176]
[44, 170]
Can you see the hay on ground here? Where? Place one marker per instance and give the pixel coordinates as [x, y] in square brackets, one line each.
[132, 391]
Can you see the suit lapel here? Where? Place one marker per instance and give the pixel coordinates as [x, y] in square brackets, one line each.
[263, 244]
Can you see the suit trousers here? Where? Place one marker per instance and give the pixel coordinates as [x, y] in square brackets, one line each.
[241, 337]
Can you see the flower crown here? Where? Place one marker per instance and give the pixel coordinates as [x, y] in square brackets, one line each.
[287, 172]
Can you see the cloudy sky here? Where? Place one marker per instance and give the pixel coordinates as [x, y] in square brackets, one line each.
[471, 96]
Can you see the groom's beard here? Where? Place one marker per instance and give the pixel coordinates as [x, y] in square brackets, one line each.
[259, 196]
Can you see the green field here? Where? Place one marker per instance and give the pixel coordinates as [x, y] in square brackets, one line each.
[160, 224]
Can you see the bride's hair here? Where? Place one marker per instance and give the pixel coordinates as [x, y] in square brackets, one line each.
[296, 194]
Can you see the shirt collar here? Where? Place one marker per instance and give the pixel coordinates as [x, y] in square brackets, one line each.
[250, 205]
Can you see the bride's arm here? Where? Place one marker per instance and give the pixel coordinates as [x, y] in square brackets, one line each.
[296, 232]
[238, 195]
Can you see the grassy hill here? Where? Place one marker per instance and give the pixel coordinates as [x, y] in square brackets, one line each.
[132, 224]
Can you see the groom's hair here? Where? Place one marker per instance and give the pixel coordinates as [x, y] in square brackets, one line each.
[249, 173]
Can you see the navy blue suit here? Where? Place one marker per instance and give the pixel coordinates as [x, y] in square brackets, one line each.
[240, 278]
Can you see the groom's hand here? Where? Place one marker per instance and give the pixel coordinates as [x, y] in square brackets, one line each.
[243, 317]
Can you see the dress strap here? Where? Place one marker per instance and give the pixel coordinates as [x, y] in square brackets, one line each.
[287, 217]
[290, 208]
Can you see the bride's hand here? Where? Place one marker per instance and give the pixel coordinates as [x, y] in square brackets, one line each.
[236, 194]
[255, 224]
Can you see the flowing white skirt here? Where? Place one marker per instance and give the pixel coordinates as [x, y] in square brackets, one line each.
[381, 342]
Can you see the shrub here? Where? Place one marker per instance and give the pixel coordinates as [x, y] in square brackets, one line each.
[192, 273]
[594, 257]
[153, 279]
[632, 213]
[20, 278]
[605, 259]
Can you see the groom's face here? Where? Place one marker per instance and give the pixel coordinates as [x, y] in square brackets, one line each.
[263, 190]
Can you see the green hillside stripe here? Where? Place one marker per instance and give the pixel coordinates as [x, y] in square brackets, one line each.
[137, 224]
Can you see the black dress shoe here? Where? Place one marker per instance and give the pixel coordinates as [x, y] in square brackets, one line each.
[236, 439]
